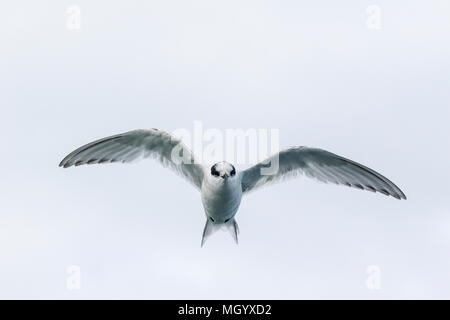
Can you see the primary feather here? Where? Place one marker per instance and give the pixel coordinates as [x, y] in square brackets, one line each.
[322, 165]
[135, 145]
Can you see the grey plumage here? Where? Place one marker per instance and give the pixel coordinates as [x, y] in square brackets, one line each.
[323, 166]
[222, 187]
[134, 145]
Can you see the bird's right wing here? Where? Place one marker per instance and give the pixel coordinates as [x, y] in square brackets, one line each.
[139, 144]
[322, 165]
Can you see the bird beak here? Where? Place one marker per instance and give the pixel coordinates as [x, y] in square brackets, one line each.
[224, 176]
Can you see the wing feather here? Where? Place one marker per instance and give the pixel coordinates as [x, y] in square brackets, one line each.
[139, 144]
[321, 165]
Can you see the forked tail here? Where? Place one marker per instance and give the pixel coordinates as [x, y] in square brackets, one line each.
[231, 226]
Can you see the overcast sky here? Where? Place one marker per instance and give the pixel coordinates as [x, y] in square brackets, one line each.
[374, 91]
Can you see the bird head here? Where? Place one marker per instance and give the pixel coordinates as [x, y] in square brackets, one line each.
[223, 170]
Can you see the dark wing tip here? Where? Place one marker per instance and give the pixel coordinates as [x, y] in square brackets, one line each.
[65, 163]
[397, 195]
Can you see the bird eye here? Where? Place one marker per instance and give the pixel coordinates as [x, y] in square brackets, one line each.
[211, 219]
[214, 172]
[233, 172]
[227, 220]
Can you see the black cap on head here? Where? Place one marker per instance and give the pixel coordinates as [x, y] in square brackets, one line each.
[223, 170]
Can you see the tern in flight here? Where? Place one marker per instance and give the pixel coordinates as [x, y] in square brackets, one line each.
[221, 186]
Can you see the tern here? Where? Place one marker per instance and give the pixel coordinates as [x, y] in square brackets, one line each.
[221, 186]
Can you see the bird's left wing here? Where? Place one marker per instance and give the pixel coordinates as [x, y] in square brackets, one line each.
[139, 144]
[320, 164]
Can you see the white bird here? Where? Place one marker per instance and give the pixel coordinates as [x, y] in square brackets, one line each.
[221, 186]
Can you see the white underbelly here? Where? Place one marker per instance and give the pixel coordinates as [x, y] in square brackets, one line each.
[221, 202]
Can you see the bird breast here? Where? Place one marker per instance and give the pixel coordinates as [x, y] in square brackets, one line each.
[221, 198]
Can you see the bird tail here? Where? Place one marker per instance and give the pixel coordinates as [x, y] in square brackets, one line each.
[231, 226]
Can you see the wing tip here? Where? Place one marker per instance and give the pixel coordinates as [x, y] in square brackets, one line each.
[64, 164]
[399, 196]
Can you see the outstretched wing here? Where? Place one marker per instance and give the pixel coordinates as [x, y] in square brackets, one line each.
[139, 144]
[322, 165]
